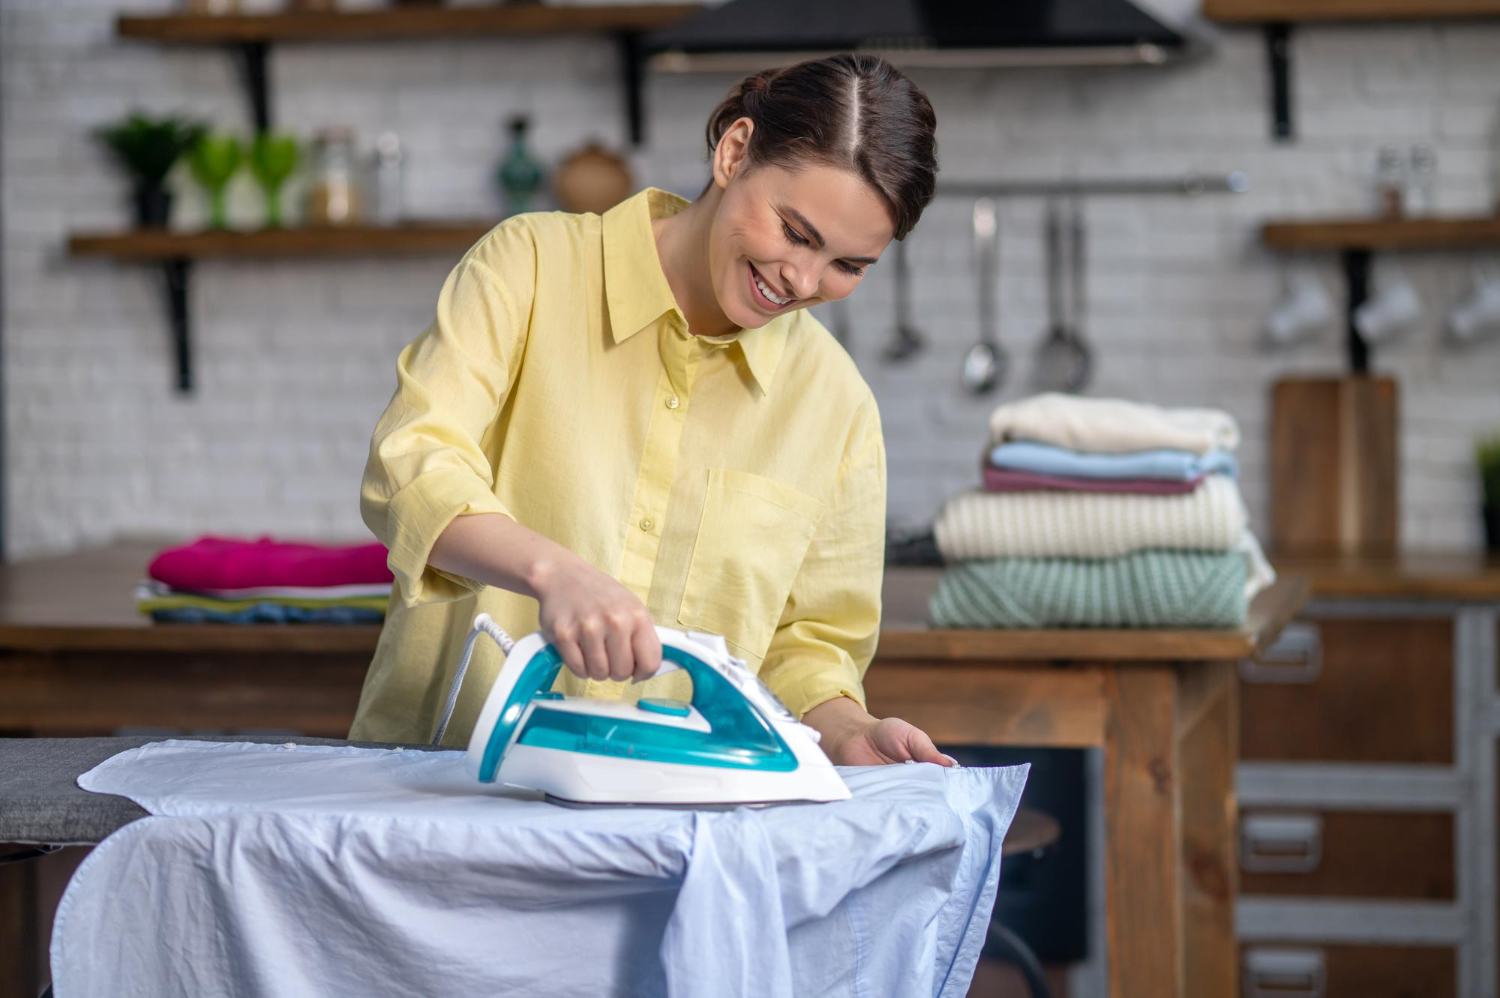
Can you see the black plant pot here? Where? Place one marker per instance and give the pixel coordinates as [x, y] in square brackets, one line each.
[1492, 528]
[153, 207]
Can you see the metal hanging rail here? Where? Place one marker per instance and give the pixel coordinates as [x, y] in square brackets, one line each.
[1187, 184]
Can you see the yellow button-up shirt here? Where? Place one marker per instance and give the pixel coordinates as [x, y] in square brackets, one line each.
[734, 484]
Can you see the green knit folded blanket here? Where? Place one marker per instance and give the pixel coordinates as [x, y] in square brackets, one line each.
[1144, 589]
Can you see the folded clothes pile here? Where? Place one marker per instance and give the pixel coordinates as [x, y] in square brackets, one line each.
[1100, 513]
[264, 581]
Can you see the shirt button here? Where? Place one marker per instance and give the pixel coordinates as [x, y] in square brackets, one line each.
[647, 523]
[672, 402]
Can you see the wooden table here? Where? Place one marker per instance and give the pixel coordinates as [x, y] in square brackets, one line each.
[1161, 704]
[76, 659]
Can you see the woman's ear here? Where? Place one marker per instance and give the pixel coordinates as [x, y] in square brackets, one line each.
[732, 154]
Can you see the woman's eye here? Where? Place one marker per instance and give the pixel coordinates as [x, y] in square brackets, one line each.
[793, 235]
[851, 269]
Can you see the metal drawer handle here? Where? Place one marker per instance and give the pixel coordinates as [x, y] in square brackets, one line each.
[1294, 657]
[1283, 973]
[1281, 843]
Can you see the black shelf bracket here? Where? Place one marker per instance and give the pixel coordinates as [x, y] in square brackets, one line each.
[1279, 55]
[633, 71]
[175, 274]
[1357, 287]
[252, 59]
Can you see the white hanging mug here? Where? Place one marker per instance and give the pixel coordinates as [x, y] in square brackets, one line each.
[1395, 309]
[1306, 310]
[1478, 315]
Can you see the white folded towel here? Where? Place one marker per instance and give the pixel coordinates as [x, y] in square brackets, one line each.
[979, 524]
[1112, 426]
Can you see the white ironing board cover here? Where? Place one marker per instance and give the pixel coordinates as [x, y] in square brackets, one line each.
[316, 870]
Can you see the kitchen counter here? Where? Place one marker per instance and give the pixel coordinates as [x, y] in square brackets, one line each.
[1460, 576]
[83, 602]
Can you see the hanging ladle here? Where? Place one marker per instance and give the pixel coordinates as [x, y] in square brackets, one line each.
[909, 339]
[984, 364]
[1064, 360]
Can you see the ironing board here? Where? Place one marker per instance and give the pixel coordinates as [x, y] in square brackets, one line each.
[42, 804]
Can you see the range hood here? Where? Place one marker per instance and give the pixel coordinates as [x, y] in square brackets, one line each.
[744, 35]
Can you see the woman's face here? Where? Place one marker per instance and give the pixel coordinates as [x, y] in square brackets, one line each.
[785, 239]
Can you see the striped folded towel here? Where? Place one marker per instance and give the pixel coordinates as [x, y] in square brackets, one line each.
[1188, 589]
[978, 524]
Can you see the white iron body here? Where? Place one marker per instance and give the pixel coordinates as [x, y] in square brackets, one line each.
[590, 777]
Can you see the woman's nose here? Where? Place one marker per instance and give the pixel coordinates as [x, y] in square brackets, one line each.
[802, 283]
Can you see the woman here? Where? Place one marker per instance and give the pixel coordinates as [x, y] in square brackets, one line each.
[628, 418]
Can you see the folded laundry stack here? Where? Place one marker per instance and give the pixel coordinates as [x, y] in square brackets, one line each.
[264, 581]
[1100, 513]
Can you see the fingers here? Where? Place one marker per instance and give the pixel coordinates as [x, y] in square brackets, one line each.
[923, 750]
[595, 655]
[646, 646]
[572, 655]
[617, 645]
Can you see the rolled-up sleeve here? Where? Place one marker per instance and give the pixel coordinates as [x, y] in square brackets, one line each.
[427, 462]
[828, 632]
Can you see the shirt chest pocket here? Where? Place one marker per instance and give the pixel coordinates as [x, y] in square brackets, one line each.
[751, 539]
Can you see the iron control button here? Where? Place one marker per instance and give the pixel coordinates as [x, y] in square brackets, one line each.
[663, 705]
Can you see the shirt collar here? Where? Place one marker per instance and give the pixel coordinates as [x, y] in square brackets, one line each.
[637, 292]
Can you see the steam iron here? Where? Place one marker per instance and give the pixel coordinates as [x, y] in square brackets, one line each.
[734, 743]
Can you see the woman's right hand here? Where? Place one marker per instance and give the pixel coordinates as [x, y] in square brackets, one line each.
[598, 626]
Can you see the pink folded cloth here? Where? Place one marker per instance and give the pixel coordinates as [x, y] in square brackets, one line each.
[227, 563]
[1001, 480]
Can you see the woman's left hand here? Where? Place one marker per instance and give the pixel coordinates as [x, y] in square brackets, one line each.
[852, 737]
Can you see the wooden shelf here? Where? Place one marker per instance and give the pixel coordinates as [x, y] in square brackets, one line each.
[400, 23]
[1387, 234]
[415, 237]
[1262, 11]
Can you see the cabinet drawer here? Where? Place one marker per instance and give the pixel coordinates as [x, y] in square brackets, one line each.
[1352, 854]
[1351, 691]
[1298, 970]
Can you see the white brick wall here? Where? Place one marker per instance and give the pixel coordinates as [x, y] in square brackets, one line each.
[294, 360]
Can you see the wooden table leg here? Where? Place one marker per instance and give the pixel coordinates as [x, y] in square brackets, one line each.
[1207, 746]
[1142, 834]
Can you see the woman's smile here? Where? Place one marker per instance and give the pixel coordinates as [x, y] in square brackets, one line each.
[764, 293]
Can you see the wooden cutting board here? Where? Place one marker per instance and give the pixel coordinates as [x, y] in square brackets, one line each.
[1335, 465]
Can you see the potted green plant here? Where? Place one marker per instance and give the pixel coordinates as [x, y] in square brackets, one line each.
[148, 148]
[215, 159]
[1487, 456]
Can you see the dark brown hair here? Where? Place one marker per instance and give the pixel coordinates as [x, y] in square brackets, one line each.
[853, 111]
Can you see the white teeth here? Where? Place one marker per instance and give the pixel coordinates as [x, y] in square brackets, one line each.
[767, 291]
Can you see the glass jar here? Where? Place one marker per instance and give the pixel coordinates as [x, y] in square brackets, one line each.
[1390, 183]
[1421, 187]
[388, 180]
[333, 195]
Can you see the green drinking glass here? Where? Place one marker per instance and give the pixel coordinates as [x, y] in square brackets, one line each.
[214, 160]
[273, 158]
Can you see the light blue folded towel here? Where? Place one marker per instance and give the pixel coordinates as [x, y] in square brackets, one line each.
[1163, 465]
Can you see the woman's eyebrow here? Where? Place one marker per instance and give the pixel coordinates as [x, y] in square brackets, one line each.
[817, 237]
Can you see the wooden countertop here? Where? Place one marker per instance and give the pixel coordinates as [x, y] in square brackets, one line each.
[1459, 576]
[83, 602]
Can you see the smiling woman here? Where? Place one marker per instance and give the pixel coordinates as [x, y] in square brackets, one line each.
[626, 419]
